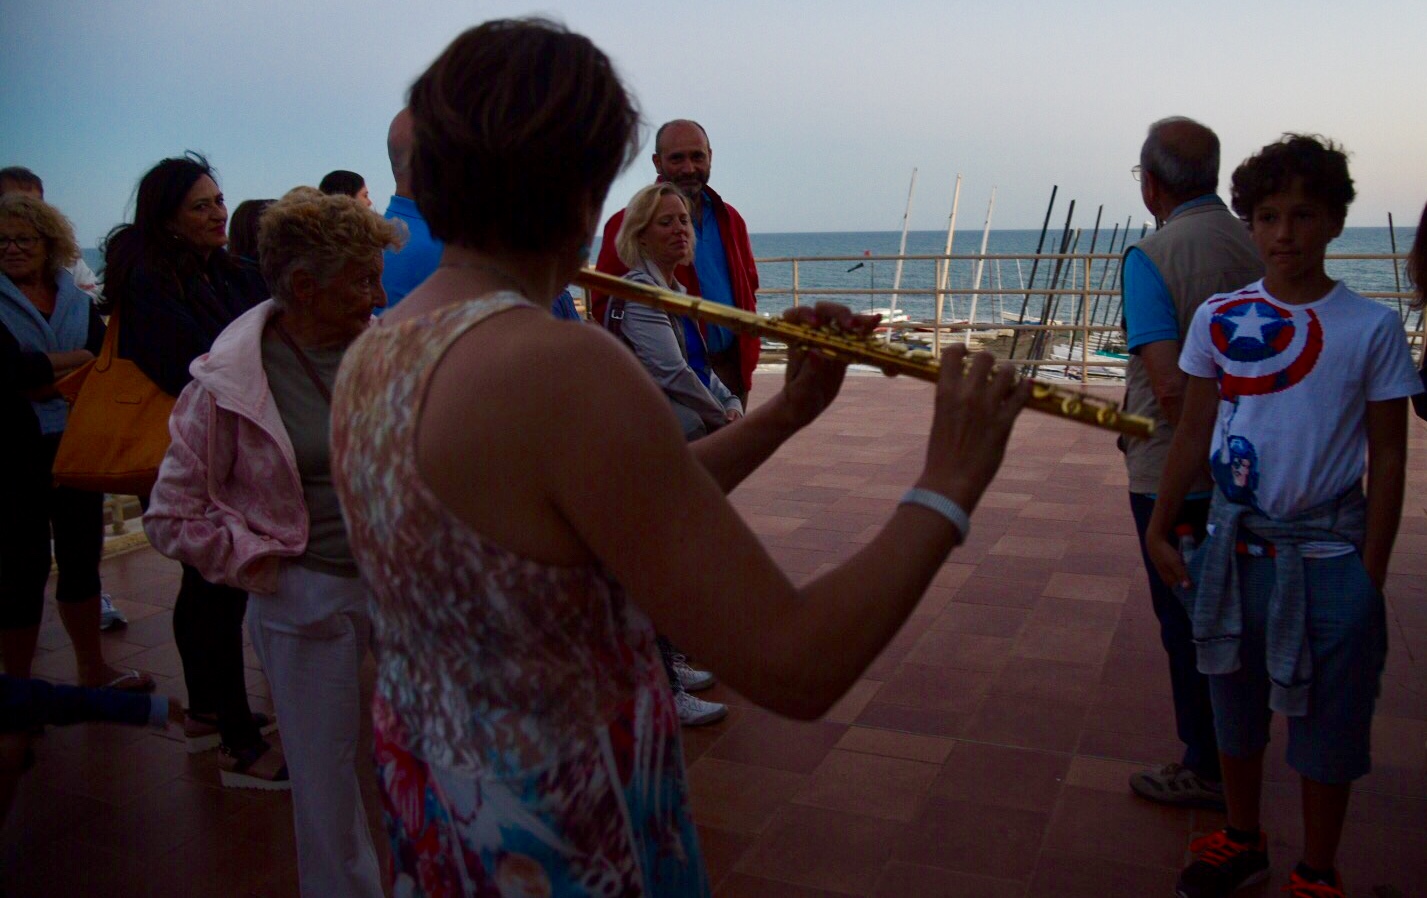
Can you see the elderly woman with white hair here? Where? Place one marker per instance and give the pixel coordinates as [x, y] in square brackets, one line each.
[656, 237]
[245, 495]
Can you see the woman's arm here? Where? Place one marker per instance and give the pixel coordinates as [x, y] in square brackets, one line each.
[1187, 454]
[611, 479]
[1387, 471]
[651, 333]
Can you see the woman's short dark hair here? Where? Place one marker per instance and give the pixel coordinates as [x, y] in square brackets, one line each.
[243, 228]
[1417, 262]
[516, 123]
[1317, 162]
[148, 238]
[342, 181]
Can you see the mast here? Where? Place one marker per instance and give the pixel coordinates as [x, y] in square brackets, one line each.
[944, 272]
[1040, 244]
[901, 251]
[976, 282]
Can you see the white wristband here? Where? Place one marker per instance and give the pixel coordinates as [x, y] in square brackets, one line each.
[942, 506]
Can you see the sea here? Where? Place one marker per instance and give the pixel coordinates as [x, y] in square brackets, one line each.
[1365, 276]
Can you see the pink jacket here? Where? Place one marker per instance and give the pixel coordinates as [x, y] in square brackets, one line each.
[229, 497]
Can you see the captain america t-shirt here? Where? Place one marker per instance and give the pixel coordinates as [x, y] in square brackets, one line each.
[1294, 383]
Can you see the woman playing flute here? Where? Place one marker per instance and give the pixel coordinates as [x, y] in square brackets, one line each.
[527, 513]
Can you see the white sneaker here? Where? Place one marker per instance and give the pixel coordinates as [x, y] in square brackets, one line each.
[109, 616]
[695, 712]
[691, 678]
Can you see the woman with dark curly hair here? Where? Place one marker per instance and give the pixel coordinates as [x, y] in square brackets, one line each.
[48, 328]
[174, 288]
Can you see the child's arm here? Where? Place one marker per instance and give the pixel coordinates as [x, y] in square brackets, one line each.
[1186, 459]
[1387, 470]
[28, 703]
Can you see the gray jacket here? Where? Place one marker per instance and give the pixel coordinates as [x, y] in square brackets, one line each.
[657, 338]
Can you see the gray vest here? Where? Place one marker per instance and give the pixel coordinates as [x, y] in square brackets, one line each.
[1199, 252]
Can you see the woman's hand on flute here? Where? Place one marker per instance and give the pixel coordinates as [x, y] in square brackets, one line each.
[811, 381]
[975, 409]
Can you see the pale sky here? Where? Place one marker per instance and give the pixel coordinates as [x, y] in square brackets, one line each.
[817, 111]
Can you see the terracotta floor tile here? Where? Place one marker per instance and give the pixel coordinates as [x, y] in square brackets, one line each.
[1087, 587]
[1053, 511]
[925, 721]
[830, 850]
[1095, 823]
[980, 620]
[1053, 611]
[1030, 547]
[871, 785]
[1054, 680]
[721, 850]
[942, 648]
[901, 880]
[1148, 750]
[892, 744]
[740, 797]
[1071, 645]
[851, 704]
[1027, 722]
[1131, 709]
[980, 839]
[767, 740]
[1075, 876]
[1006, 777]
[982, 590]
[1101, 773]
[940, 688]
[738, 885]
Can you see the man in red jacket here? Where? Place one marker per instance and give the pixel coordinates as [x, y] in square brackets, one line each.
[723, 268]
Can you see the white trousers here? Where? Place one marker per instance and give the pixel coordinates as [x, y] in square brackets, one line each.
[311, 636]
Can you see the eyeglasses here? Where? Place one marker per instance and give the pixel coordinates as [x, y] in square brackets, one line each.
[1136, 171]
[24, 243]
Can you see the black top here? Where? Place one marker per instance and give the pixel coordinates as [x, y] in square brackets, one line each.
[167, 321]
[21, 371]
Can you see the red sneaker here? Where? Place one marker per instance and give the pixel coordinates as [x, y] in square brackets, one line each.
[1298, 887]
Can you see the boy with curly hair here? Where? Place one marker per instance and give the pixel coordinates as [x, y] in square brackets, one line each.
[1291, 380]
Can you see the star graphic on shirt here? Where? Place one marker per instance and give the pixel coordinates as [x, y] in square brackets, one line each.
[1252, 324]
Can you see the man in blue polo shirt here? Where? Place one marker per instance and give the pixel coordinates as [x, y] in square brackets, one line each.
[1200, 249]
[404, 269]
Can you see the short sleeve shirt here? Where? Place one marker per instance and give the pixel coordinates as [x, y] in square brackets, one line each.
[1294, 384]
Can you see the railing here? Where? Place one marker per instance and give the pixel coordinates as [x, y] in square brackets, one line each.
[1092, 306]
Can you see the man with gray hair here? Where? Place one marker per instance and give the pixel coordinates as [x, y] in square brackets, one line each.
[1199, 249]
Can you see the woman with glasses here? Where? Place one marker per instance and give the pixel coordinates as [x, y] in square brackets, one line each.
[48, 328]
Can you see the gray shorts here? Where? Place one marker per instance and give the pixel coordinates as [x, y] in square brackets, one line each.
[1347, 635]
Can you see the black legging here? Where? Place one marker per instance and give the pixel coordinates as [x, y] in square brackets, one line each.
[34, 509]
[208, 631]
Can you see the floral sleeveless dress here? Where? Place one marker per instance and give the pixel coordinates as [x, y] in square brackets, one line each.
[526, 740]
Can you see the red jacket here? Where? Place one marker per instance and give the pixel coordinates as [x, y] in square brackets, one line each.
[742, 273]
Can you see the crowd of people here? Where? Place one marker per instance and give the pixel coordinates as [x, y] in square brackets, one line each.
[527, 576]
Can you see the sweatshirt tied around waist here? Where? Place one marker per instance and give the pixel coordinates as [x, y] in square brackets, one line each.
[1216, 607]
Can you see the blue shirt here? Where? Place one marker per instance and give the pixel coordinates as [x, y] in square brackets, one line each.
[1150, 315]
[711, 265]
[404, 269]
[564, 307]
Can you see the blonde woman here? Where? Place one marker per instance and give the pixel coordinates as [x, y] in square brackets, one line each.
[258, 411]
[655, 238]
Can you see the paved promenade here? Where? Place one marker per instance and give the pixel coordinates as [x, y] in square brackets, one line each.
[984, 754]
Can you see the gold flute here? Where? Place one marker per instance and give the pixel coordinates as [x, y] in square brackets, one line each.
[844, 347]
